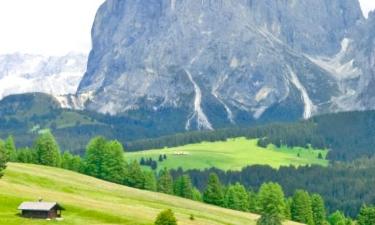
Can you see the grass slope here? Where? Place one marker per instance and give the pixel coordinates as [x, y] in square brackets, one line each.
[91, 201]
[232, 154]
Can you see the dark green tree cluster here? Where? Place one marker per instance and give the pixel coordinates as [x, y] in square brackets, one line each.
[3, 158]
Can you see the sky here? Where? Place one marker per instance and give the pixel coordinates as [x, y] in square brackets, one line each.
[47, 27]
[56, 27]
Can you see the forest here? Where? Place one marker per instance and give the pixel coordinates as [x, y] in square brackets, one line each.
[287, 193]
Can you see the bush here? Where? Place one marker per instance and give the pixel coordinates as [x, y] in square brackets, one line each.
[166, 217]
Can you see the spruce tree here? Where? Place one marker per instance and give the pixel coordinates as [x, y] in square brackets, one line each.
[197, 195]
[134, 176]
[3, 158]
[95, 156]
[213, 193]
[253, 202]
[301, 208]
[318, 209]
[11, 149]
[236, 197]
[366, 215]
[47, 150]
[150, 181]
[337, 218]
[266, 219]
[183, 187]
[165, 182]
[113, 167]
[271, 200]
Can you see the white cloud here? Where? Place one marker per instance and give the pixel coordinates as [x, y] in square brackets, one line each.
[367, 6]
[49, 27]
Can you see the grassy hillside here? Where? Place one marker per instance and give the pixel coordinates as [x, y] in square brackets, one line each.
[91, 201]
[233, 154]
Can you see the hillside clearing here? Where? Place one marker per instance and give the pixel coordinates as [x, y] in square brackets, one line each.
[233, 154]
[91, 201]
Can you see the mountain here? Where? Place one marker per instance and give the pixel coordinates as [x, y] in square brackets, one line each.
[88, 200]
[56, 75]
[207, 64]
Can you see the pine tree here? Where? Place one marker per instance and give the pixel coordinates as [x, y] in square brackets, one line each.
[11, 149]
[213, 193]
[134, 176]
[95, 156]
[253, 202]
[165, 182]
[236, 197]
[3, 158]
[150, 181]
[47, 150]
[301, 208]
[183, 187]
[166, 218]
[113, 167]
[366, 215]
[337, 218]
[266, 219]
[271, 200]
[197, 195]
[318, 209]
[26, 155]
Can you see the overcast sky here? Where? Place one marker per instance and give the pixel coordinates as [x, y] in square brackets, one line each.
[56, 27]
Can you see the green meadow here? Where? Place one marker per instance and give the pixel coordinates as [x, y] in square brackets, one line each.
[91, 201]
[232, 154]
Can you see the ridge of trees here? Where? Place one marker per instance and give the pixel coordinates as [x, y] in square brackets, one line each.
[104, 159]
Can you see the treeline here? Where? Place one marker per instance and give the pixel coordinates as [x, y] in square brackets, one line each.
[344, 186]
[349, 135]
[104, 159]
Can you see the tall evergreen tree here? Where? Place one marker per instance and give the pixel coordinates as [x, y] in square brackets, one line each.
[11, 149]
[213, 193]
[366, 216]
[95, 156]
[236, 197]
[301, 208]
[266, 219]
[337, 218]
[271, 200]
[183, 187]
[197, 195]
[113, 167]
[47, 150]
[253, 202]
[26, 155]
[318, 209]
[165, 182]
[150, 181]
[3, 158]
[134, 176]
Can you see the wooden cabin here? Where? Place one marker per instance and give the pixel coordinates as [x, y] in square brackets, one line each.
[41, 210]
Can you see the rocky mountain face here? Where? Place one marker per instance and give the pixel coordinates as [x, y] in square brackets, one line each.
[205, 64]
[22, 73]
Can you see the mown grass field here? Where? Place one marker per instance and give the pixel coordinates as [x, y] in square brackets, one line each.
[91, 201]
[232, 154]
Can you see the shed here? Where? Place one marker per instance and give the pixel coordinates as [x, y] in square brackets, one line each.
[41, 210]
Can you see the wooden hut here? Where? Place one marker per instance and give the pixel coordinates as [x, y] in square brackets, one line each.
[41, 210]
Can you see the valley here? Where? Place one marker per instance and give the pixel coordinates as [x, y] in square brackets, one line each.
[233, 154]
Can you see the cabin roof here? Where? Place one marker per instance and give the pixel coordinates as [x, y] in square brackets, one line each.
[39, 206]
